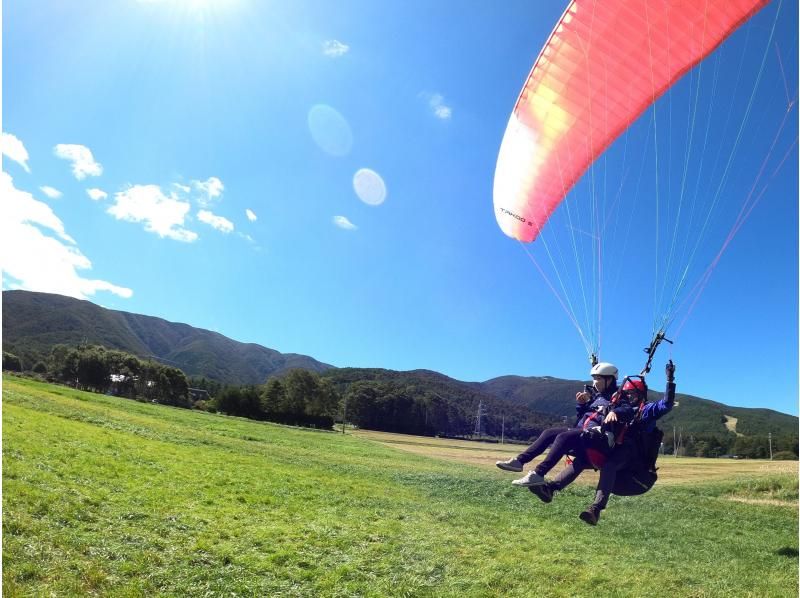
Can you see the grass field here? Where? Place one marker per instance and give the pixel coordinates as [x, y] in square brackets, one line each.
[671, 470]
[105, 496]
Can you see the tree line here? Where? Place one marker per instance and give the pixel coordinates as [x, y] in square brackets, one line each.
[719, 445]
[391, 406]
[97, 369]
[376, 400]
[299, 398]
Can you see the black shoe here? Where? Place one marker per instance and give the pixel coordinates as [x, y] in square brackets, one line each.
[544, 492]
[590, 515]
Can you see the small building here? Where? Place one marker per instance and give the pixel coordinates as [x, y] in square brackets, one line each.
[198, 394]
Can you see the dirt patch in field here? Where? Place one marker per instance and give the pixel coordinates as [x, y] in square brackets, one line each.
[764, 501]
[683, 470]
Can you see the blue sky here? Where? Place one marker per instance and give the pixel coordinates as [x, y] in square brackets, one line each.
[316, 177]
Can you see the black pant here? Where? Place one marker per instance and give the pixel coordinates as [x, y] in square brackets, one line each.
[570, 473]
[563, 440]
[617, 460]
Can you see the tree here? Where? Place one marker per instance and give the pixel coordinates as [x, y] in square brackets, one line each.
[40, 368]
[361, 398]
[273, 398]
[228, 401]
[173, 387]
[11, 362]
[324, 401]
[301, 387]
[93, 369]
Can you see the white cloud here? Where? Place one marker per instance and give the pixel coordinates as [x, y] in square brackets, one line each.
[437, 105]
[13, 149]
[209, 190]
[36, 252]
[334, 48]
[83, 163]
[218, 222]
[96, 194]
[251, 215]
[184, 188]
[161, 214]
[344, 223]
[50, 192]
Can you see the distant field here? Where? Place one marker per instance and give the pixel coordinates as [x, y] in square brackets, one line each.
[110, 497]
[672, 470]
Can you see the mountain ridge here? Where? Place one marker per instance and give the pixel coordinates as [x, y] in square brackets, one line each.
[34, 322]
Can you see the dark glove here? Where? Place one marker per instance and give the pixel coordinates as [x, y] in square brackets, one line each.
[670, 370]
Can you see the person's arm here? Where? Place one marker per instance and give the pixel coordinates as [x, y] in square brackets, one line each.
[583, 400]
[623, 411]
[660, 408]
[669, 394]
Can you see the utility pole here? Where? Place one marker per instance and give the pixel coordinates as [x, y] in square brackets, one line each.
[478, 422]
[503, 431]
[770, 445]
[674, 444]
[344, 414]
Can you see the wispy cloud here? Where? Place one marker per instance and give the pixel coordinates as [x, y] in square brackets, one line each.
[161, 214]
[50, 192]
[13, 149]
[83, 163]
[437, 105]
[96, 194]
[218, 222]
[334, 48]
[36, 252]
[251, 215]
[209, 190]
[184, 188]
[343, 223]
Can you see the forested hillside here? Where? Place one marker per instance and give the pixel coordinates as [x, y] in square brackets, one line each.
[33, 323]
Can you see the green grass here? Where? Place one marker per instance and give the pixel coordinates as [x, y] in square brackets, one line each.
[105, 496]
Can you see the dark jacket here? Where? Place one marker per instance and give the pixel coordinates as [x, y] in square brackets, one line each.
[593, 412]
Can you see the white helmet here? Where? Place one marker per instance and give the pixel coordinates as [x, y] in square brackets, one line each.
[604, 369]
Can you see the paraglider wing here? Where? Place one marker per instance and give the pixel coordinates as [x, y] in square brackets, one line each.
[605, 62]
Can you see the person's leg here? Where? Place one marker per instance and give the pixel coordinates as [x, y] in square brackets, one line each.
[537, 448]
[567, 441]
[616, 461]
[564, 442]
[569, 474]
[564, 478]
[541, 443]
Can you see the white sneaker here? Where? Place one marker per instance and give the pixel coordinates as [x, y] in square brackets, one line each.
[510, 465]
[531, 479]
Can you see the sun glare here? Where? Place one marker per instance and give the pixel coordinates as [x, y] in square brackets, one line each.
[196, 7]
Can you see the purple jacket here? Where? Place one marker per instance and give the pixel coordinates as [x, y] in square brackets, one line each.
[650, 412]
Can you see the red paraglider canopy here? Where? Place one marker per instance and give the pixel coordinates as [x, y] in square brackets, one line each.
[603, 65]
